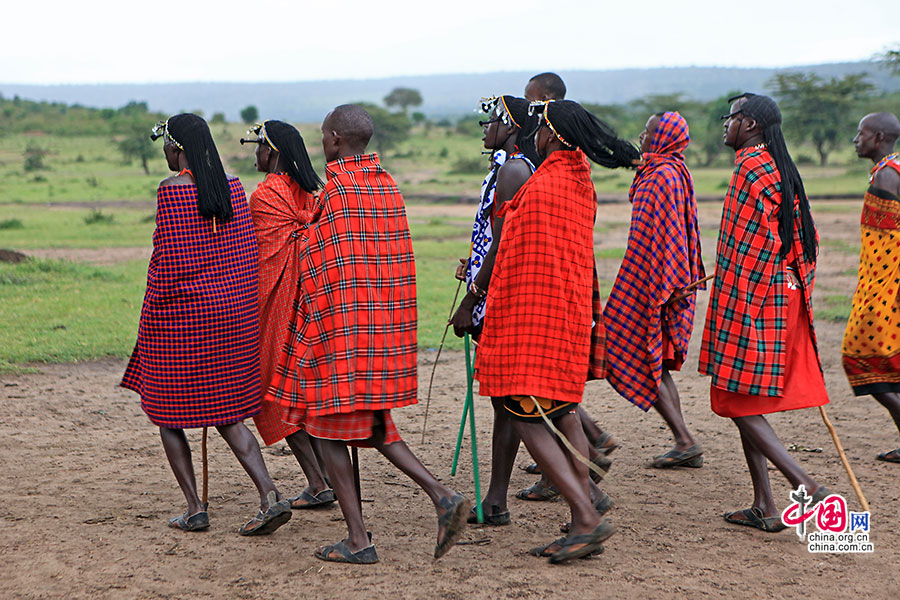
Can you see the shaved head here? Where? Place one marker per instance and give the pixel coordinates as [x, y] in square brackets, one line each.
[545, 86]
[352, 123]
[883, 122]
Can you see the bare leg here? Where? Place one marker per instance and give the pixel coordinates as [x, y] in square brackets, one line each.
[246, 449]
[402, 457]
[317, 450]
[303, 451]
[669, 406]
[759, 474]
[504, 445]
[591, 429]
[891, 401]
[556, 462]
[587, 425]
[178, 451]
[340, 470]
[756, 430]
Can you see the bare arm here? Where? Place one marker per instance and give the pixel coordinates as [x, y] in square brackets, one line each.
[510, 178]
[888, 180]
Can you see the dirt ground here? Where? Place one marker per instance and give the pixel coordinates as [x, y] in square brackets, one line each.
[86, 493]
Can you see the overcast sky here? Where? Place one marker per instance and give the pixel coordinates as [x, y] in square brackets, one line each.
[98, 41]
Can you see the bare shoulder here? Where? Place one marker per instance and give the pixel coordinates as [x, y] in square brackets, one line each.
[180, 179]
[888, 179]
[515, 169]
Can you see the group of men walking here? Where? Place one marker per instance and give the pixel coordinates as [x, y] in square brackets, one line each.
[299, 307]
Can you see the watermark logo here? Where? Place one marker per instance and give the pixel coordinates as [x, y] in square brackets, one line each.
[839, 530]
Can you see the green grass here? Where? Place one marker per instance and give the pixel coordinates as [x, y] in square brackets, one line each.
[835, 307]
[58, 311]
[53, 227]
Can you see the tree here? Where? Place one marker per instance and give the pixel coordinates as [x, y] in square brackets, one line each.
[404, 98]
[137, 145]
[217, 118]
[34, 157]
[891, 58]
[249, 114]
[819, 111]
[390, 128]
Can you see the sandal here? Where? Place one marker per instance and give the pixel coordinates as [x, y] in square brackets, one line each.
[603, 463]
[606, 443]
[533, 469]
[892, 456]
[196, 522]
[307, 500]
[266, 522]
[602, 505]
[583, 544]
[495, 518]
[753, 517]
[538, 493]
[452, 522]
[341, 553]
[692, 457]
[546, 552]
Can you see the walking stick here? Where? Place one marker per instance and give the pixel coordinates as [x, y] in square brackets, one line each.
[354, 458]
[846, 463]
[205, 470]
[469, 410]
[437, 358]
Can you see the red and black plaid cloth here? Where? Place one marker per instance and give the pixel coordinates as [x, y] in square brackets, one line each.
[352, 341]
[196, 363]
[280, 216]
[538, 337]
[663, 255]
[743, 346]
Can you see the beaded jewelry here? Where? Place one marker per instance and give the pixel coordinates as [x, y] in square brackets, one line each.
[881, 163]
[259, 130]
[497, 105]
[544, 106]
[161, 130]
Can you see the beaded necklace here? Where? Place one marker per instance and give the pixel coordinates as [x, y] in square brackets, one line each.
[881, 164]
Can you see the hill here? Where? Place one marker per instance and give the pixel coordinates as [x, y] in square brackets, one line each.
[444, 95]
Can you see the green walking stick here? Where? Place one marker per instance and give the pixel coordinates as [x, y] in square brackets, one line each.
[469, 410]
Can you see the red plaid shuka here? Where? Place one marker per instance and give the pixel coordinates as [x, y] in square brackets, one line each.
[195, 363]
[280, 216]
[743, 344]
[544, 296]
[663, 255]
[352, 341]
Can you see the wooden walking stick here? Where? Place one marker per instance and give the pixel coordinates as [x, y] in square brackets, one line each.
[689, 289]
[437, 358]
[846, 463]
[204, 499]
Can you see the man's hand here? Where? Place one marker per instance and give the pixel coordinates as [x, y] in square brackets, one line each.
[461, 269]
[462, 318]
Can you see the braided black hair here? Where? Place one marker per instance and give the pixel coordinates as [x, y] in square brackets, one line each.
[213, 193]
[518, 110]
[598, 140]
[767, 115]
[292, 151]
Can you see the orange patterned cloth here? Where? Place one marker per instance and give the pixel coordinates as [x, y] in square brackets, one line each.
[280, 217]
[871, 348]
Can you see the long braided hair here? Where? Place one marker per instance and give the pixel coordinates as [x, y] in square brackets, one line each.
[213, 193]
[576, 127]
[766, 113]
[294, 158]
[527, 123]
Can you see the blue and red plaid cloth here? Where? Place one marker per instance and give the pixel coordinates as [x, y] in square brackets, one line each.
[663, 255]
[352, 341]
[538, 337]
[743, 346]
[196, 362]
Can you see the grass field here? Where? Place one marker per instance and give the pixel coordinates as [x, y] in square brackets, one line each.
[87, 198]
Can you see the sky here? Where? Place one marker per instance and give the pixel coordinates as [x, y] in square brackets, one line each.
[98, 41]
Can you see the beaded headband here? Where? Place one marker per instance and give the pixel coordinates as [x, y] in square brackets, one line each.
[497, 105]
[542, 108]
[161, 130]
[259, 130]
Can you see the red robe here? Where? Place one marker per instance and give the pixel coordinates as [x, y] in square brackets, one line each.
[352, 341]
[543, 335]
[280, 217]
